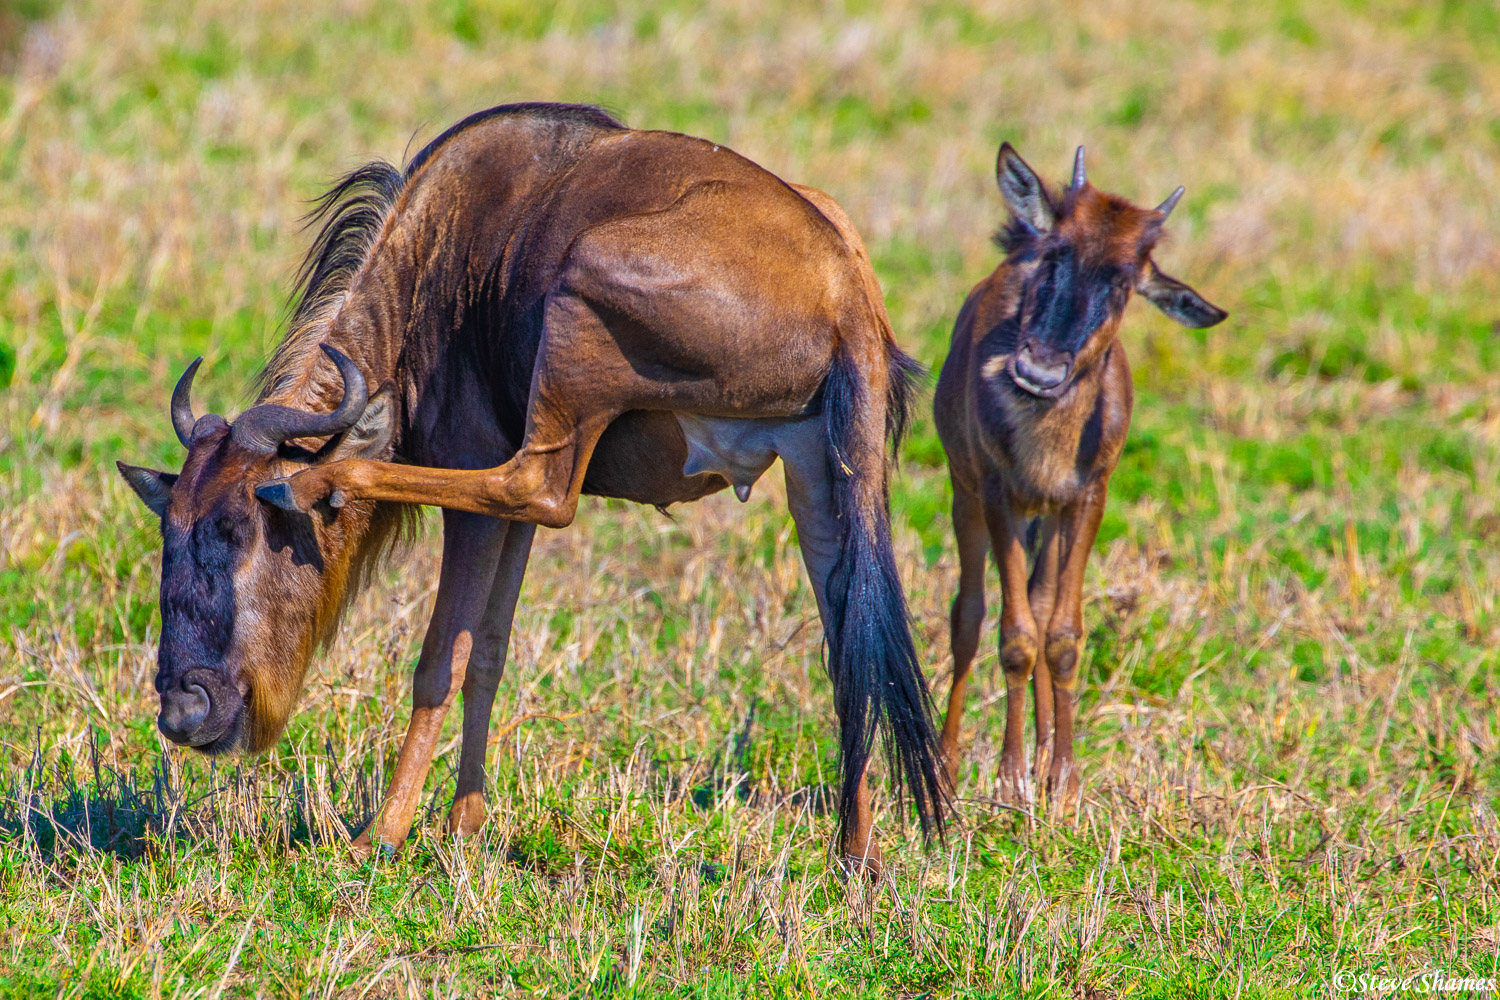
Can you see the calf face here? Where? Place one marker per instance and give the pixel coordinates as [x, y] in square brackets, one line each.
[1072, 262]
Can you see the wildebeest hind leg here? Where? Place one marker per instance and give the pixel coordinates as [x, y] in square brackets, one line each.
[966, 616]
[809, 489]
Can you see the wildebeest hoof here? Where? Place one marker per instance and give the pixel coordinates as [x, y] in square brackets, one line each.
[278, 492]
[363, 848]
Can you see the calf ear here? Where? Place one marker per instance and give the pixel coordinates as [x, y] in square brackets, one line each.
[373, 436]
[1023, 191]
[1178, 300]
[151, 486]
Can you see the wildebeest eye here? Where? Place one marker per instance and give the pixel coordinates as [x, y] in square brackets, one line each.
[235, 529]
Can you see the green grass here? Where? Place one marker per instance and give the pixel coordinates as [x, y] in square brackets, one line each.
[1287, 731]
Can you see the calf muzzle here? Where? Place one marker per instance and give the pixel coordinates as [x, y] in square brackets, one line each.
[1040, 370]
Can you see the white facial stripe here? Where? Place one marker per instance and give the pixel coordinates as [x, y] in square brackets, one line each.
[994, 366]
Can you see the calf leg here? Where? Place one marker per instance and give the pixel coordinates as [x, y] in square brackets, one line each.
[1065, 637]
[1018, 639]
[1041, 594]
[486, 666]
[967, 615]
[471, 551]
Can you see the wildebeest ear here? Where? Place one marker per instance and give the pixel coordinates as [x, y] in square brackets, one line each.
[1176, 299]
[374, 435]
[1023, 191]
[151, 486]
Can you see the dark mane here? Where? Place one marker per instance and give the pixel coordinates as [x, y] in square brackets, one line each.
[352, 213]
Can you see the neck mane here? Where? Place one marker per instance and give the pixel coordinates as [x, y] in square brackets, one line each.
[353, 217]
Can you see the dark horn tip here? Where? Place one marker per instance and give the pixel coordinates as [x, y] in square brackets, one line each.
[278, 493]
[356, 392]
[333, 352]
[182, 403]
[1165, 208]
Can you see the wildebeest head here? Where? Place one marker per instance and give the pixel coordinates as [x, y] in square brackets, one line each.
[249, 590]
[1076, 259]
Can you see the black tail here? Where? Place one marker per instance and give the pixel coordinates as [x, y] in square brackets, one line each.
[877, 680]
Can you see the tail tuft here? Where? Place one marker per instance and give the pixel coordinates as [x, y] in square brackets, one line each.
[877, 680]
[907, 376]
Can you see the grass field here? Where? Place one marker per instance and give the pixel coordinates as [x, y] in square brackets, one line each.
[1288, 741]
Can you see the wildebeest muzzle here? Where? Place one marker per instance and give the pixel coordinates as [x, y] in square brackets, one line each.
[200, 709]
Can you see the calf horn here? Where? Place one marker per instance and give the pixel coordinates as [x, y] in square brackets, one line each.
[1080, 178]
[264, 427]
[1165, 208]
[182, 404]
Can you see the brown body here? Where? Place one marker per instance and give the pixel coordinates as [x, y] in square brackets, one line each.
[1033, 405]
[546, 303]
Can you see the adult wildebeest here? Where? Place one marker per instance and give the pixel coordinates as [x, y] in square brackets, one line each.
[546, 303]
[1032, 407]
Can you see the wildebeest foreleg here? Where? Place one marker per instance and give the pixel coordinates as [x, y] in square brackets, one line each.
[1018, 638]
[486, 665]
[471, 552]
[540, 485]
[1065, 635]
[967, 615]
[581, 383]
[1041, 594]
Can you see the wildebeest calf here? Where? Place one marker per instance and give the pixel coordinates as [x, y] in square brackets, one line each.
[1032, 406]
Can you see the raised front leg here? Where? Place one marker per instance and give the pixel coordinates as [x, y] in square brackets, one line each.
[540, 485]
[967, 615]
[1041, 594]
[486, 666]
[580, 384]
[471, 551]
[1018, 639]
[1065, 637]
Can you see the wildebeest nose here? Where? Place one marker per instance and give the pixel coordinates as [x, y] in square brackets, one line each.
[182, 712]
[1039, 367]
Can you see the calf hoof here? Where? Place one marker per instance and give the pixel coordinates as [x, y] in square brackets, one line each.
[1015, 784]
[870, 866]
[1064, 789]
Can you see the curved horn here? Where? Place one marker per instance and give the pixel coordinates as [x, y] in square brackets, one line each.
[264, 427]
[1080, 178]
[1165, 208]
[182, 404]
